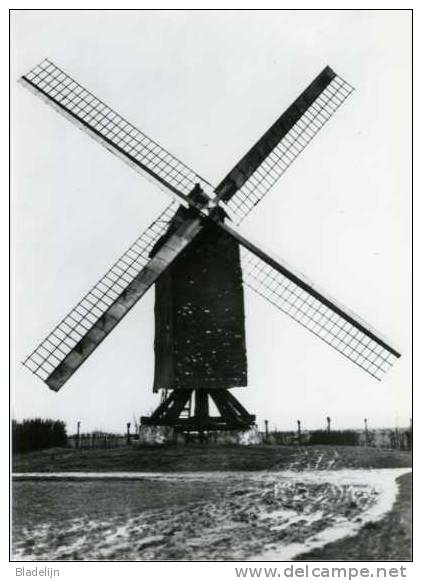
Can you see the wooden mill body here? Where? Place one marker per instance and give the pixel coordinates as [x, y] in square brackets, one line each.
[199, 315]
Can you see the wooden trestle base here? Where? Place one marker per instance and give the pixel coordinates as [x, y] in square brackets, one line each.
[176, 411]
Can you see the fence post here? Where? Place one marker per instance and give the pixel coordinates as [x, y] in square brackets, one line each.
[299, 434]
[128, 433]
[366, 432]
[397, 438]
[78, 430]
[266, 430]
[328, 424]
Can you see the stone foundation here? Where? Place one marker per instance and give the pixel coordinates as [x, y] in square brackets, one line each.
[155, 435]
[250, 437]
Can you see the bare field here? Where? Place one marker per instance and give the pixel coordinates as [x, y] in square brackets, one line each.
[299, 502]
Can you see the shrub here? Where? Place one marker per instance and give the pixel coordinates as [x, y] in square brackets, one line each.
[339, 437]
[36, 434]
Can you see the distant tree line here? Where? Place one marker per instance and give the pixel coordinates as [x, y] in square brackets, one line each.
[36, 434]
[339, 437]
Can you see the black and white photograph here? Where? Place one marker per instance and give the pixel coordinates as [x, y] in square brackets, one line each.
[211, 286]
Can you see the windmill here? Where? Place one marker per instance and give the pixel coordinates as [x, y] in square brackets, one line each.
[199, 262]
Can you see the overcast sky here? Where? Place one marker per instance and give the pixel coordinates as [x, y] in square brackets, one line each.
[206, 85]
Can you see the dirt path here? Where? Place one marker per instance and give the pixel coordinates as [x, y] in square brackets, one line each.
[238, 516]
[389, 539]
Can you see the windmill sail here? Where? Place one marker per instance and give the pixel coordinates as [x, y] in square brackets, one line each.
[256, 173]
[114, 132]
[92, 319]
[314, 310]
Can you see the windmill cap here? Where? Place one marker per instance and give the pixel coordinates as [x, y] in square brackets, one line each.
[198, 195]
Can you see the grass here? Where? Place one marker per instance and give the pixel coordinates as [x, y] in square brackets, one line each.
[195, 458]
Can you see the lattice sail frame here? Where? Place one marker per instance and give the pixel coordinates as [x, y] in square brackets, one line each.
[116, 133]
[310, 119]
[336, 327]
[66, 335]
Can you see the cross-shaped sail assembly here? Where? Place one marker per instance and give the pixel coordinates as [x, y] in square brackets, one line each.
[92, 319]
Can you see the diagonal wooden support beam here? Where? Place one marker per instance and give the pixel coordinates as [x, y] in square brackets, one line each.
[163, 407]
[181, 397]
